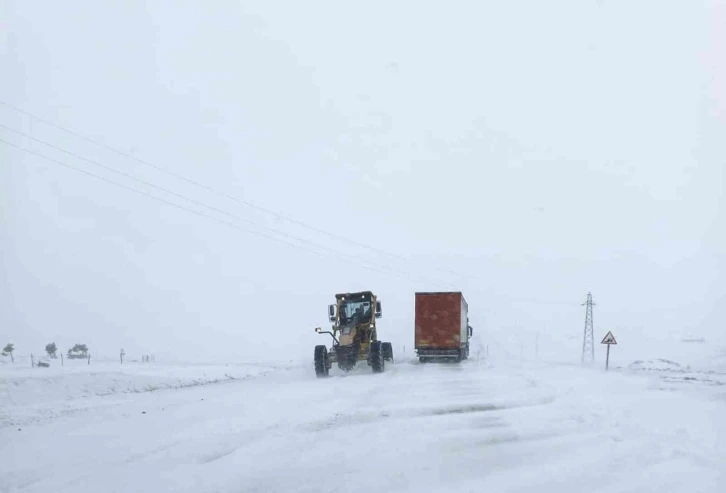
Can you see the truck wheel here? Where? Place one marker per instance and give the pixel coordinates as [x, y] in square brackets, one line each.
[377, 361]
[321, 361]
[387, 351]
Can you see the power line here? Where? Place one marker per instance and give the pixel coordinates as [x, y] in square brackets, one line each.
[352, 260]
[340, 256]
[212, 208]
[248, 204]
[222, 193]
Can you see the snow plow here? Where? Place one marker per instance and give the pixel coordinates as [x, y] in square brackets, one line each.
[354, 334]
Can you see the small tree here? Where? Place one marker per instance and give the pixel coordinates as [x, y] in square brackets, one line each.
[51, 349]
[9, 349]
[78, 351]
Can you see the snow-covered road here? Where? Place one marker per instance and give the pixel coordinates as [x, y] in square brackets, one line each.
[469, 427]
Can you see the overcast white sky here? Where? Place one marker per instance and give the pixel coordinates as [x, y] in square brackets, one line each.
[525, 153]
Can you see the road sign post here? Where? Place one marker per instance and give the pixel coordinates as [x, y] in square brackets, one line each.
[609, 340]
[607, 358]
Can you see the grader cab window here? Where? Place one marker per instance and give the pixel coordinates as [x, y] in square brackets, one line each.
[354, 312]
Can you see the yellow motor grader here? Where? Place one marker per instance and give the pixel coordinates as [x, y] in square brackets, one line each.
[354, 333]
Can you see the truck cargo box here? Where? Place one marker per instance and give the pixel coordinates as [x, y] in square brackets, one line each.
[442, 325]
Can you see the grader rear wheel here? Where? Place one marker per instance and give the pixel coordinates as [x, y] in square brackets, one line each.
[378, 363]
[387, 351]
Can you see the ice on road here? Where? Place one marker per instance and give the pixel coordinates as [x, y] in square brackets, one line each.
[468, 427]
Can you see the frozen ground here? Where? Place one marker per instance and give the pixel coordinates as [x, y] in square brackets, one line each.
[539, 427]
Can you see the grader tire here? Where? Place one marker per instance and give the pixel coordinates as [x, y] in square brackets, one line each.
[387, 351]
[378, 362]
[321, 361]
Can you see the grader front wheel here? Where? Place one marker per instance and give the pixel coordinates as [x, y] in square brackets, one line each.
[321, 361]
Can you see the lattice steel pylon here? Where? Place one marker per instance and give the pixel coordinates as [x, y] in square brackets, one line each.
[588, 339]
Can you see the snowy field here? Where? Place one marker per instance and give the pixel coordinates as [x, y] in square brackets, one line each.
[30, 395]
[478, 426]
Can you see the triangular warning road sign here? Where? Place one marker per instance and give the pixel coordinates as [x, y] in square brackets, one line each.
[609, 339]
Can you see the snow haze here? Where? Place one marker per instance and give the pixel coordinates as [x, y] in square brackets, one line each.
[524, 154]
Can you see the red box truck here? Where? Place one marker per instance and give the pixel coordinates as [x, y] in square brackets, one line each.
[442, 326]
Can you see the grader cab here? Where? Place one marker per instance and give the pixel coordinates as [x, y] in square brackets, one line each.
[354, 334]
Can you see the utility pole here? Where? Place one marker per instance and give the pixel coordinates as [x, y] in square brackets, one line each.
[588, 343]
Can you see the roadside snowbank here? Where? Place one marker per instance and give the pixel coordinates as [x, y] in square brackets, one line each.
[31, 394]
